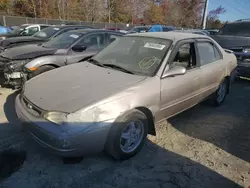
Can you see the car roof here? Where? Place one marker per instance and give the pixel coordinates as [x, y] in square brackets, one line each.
[92, 30]
[171, 35]
[86, 30]
[65, 26]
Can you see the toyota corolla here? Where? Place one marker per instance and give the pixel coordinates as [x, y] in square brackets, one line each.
[113, 100]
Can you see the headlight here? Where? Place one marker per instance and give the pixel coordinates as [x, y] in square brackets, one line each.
[75, 122]
[17, 64]
[56, 117]
[78, 120]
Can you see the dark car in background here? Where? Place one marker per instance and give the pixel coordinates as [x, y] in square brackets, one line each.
[25, 62]
[235, 36]
[39, 37]
[212, 31]
[24, 30]
[168, 28]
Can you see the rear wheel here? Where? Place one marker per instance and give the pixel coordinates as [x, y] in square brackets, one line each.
[221, 93]
[127, 135]
[41, 70]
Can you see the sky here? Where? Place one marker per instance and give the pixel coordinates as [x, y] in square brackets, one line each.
[235, 9]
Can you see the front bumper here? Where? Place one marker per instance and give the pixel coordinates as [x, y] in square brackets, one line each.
[52, 137]
[15, 79]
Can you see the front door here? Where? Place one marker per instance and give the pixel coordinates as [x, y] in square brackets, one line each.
[183, 91]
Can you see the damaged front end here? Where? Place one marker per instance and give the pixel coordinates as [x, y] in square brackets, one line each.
[14, 75]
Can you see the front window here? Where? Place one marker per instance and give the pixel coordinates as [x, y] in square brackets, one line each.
[236, 29]
[63, 41]
[139, 55]
[47, 32]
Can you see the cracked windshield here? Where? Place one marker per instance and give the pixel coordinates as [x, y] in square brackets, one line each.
[124, 94]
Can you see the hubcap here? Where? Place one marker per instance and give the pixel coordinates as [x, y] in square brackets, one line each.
[132, 136]
[221, 92]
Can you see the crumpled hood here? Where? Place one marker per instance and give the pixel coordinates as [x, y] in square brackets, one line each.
[76, 86]
[19, 40]
[30, 51]
[229, 42]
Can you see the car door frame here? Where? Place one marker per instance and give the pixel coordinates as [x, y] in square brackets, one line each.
[173, 107]
[208, 90]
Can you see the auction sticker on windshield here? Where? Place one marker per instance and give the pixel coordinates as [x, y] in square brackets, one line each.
[74, 36]
[154, 46]
[56, 28]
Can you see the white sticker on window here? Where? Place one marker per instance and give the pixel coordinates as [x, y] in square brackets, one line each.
[74, 36]
[154, 46]
[56, 28]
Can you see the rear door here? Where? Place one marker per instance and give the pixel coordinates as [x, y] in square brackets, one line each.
[212, 66]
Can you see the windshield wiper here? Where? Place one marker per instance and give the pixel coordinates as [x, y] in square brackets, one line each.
[95, 62]
[118, 67]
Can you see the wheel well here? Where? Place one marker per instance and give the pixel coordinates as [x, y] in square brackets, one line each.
[150, 117]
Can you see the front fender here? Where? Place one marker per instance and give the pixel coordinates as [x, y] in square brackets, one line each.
[46, 60]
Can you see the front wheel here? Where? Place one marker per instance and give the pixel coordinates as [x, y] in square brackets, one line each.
[127, 135]
[221, 93]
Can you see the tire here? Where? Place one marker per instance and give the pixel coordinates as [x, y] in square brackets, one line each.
[41, 70]
[115, 145]
[221, 93]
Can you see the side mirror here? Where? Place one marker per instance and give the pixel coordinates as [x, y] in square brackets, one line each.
[79, 48]
[175, 71]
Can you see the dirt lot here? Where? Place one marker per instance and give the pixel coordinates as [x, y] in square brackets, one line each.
[202, 147]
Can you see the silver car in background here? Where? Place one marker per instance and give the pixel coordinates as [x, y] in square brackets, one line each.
[112, 101]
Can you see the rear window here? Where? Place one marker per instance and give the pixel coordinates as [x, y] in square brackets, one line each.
[236, 29]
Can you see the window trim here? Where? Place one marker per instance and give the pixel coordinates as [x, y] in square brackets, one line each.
[214, 46]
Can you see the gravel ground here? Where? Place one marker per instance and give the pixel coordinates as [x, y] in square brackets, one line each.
[202, 147]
